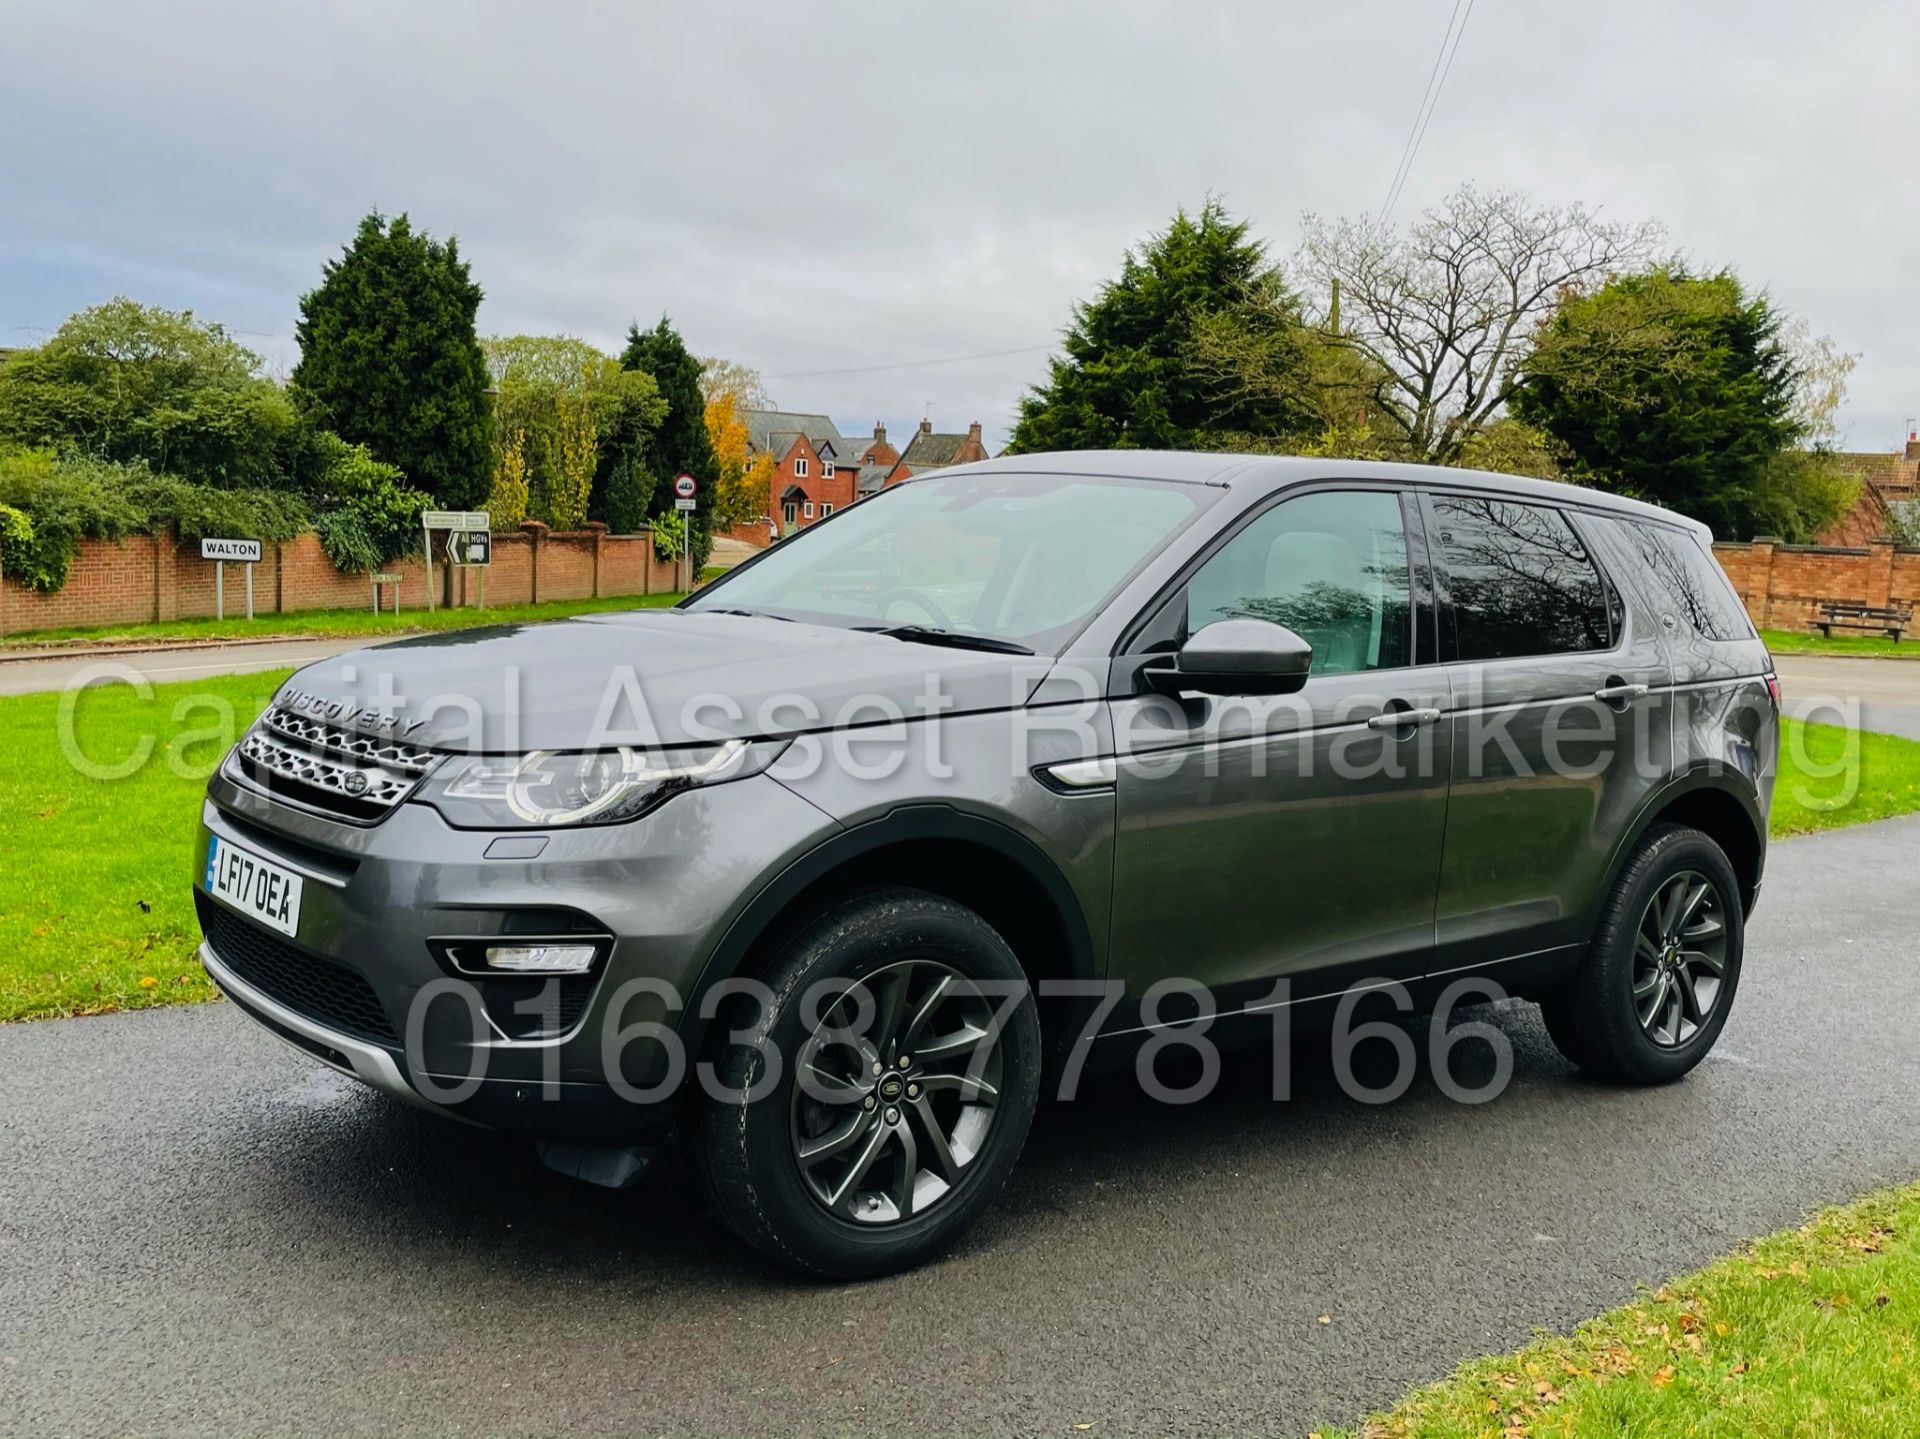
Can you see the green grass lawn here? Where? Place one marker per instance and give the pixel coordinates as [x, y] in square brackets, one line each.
[327, 623]
[1813, 1333]
[1832, 776]
[1786, 642]
[95, 913]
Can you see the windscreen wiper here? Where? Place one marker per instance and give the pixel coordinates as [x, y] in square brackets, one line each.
[953, 639]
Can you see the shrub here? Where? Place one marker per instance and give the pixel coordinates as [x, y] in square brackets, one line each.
[16, 540]
[629, 492]
[64, 502]
[373, 529]
[69, 498]
[669, 534]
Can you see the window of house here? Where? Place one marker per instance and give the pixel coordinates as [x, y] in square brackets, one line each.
[799, 464]
[825, 509]
[1331, 567]
[1520, 580]
[808, 509]
[827, 468]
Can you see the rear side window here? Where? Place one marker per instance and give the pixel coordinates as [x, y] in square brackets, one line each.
[1521, 581]
[1686, 577]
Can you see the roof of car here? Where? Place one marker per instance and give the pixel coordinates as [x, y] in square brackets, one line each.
[1270, 472]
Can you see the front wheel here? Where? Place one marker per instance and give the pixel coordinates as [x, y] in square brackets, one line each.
[908, 1067]
[1652, 994]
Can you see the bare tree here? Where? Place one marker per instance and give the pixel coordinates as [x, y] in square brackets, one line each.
[1444, 308]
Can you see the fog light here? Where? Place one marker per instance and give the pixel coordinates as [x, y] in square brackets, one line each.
[541, 958]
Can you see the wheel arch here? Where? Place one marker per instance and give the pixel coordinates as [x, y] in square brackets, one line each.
[978, 862]
[1710, 799]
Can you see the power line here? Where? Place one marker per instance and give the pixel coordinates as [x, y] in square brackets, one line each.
[1429, 101]
[909, 364]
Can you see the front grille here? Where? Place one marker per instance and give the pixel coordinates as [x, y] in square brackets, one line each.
[324, 991]
[339, 772]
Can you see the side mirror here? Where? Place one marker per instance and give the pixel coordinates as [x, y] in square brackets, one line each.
[1237, 657]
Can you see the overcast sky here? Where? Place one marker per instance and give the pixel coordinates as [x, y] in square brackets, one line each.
[828, 188]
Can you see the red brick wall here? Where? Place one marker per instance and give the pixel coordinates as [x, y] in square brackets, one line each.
[1783, 586]
[149, 577]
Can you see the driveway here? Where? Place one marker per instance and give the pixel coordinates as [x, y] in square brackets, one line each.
[201, 1231]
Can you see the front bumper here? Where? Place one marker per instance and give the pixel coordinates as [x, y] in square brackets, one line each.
[380, 899]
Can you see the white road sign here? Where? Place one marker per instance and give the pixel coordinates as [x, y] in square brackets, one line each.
[455, 520]
[246, 552]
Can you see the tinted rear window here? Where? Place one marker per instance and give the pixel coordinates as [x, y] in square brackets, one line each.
[1689, 580]
[1521, 581]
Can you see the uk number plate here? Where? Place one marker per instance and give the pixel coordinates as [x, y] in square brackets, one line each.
[252, 885]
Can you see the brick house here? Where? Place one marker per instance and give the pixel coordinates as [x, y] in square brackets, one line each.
[816, 469]
[1886, 477]
[929, 451]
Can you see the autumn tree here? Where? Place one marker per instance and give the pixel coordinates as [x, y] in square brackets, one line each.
[730, 377]
[1441, 312]
[744, 489]
[389, 358]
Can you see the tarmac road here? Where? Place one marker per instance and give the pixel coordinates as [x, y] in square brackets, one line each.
[25, 676]
[200, 1231]
[1886, 690]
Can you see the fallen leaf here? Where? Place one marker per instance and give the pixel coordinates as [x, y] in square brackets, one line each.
[1740, 1368]
[147, 981]
[1661, 1377]
[1326, 1319]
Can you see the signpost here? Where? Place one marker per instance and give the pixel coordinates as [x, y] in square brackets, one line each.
[685, 487]
[461, 522]
[240, 552]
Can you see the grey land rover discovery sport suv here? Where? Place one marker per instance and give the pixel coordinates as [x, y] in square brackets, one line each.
[822, 870]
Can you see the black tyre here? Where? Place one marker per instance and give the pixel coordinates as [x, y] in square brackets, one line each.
[1652, 994]
[908, 1069]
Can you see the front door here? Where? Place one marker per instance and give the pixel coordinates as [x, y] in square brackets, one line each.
[1297, 836]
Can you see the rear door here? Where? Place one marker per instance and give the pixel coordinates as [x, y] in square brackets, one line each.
[1298, 835]
[1560, 690]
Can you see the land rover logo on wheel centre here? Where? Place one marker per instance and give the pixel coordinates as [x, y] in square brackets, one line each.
[891, 1088]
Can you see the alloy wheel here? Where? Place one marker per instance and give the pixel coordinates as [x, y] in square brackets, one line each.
[1680, 958]
[895, 1092]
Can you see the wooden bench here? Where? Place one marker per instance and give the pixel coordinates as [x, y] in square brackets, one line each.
[1891, 621]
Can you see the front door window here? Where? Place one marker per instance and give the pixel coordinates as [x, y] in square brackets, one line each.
[1331, 567]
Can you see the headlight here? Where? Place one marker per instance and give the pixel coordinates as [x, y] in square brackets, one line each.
[550, 788]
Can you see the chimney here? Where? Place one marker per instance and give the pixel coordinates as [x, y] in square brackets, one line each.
[973, 432]
[879, 433]
[1913, 441]
[926, 426]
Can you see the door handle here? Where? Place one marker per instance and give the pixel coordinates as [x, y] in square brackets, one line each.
[1403, 719]
[1620, 693]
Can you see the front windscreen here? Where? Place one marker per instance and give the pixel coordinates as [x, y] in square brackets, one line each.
[1022, 558]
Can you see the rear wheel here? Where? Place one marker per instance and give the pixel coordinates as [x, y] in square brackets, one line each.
[1652, 994]
[908, 1068]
